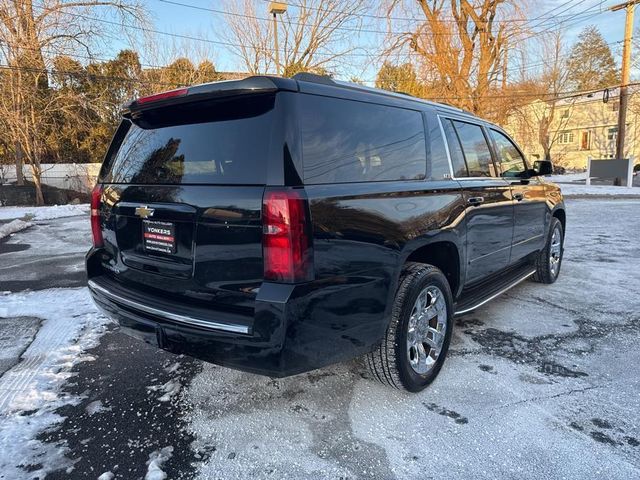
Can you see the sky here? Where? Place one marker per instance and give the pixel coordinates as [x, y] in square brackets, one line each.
[181, 20]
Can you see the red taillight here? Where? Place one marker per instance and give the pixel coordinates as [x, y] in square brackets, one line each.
[180, 92]
[96, 228]
[286, 243]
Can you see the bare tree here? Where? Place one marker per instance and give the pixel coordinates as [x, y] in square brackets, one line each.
[314, 35]
[547, 115]
[184, 62]
[460, 44]
[31, 33]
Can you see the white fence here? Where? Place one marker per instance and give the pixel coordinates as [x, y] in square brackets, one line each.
[80, 177]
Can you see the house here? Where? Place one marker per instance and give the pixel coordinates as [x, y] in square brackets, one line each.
[578, 127]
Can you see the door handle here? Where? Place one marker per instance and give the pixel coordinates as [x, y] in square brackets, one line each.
[475, 200]
[519, 196]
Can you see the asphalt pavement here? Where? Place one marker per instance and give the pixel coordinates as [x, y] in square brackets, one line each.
[540, 383]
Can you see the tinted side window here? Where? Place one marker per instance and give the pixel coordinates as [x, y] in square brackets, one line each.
[348, 141]
[455, 150]
[511, 161]
[476, 150]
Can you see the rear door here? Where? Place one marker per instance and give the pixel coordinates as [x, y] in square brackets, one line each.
[489, 208]
[183, 188]
[530, 208]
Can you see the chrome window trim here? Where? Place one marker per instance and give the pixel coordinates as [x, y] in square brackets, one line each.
[183, 319]
[446, 146]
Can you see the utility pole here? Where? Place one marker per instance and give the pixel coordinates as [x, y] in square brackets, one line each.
[275, 9]
[630, 7]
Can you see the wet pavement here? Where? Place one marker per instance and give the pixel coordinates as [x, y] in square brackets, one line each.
[540, 383]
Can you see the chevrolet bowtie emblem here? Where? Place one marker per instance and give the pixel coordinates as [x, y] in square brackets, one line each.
[144, 212]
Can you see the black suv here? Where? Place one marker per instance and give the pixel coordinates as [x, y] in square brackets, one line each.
[279, 225]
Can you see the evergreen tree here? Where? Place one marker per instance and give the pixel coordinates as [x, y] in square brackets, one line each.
[591, 63]
[399, 78]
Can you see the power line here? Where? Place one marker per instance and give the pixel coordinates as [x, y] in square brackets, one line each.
[595, 5]
[86, 75]
[75, 56]
[350, 29]
[189, 37]
[171, 67]
[543, 62]
[563, 95]
[354, 29]
[450, 19]
[561, 12]
[230, 44]
[571, 17]
[517, 68]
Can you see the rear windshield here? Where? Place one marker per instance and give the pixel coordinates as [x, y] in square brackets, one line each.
[221, 142]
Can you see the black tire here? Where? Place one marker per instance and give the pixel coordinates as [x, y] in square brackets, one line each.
[545, 271]
[390, 362]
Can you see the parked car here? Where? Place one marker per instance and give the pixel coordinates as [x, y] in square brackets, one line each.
[558, 170]
[279, 225]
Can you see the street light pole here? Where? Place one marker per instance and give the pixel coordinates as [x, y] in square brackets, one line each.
[275, 36]
[630, 7]
[277, 8]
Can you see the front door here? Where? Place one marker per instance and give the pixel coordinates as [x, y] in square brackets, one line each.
[529, 199]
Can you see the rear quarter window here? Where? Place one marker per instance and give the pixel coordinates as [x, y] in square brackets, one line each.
[349, 141]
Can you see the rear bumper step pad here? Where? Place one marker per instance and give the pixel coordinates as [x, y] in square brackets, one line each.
[123, 300]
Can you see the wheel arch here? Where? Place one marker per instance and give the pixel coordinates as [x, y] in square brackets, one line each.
[442, 252]
[561, 215]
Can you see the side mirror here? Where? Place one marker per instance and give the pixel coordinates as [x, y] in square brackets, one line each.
[542, 167]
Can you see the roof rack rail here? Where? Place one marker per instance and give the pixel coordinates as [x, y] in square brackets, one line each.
[327, 80]
[314, 78]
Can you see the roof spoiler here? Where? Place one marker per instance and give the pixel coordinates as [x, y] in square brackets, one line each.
[229, 88]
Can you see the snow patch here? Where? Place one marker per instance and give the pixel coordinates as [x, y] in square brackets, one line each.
[170, 389]
[106, 476]
[174, 368]
[155, 463]
[70, 326]
[573, 185]
[577, 190]
[15, 336]
[567, 177]
[96, 407]
[44, 213]
[54, 239]
[13, 227]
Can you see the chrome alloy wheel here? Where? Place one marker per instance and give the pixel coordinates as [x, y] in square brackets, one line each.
[427, 329]
[555, 252]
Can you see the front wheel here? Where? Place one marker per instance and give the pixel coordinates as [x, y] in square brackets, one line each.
[417, 339]
[549, 260]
